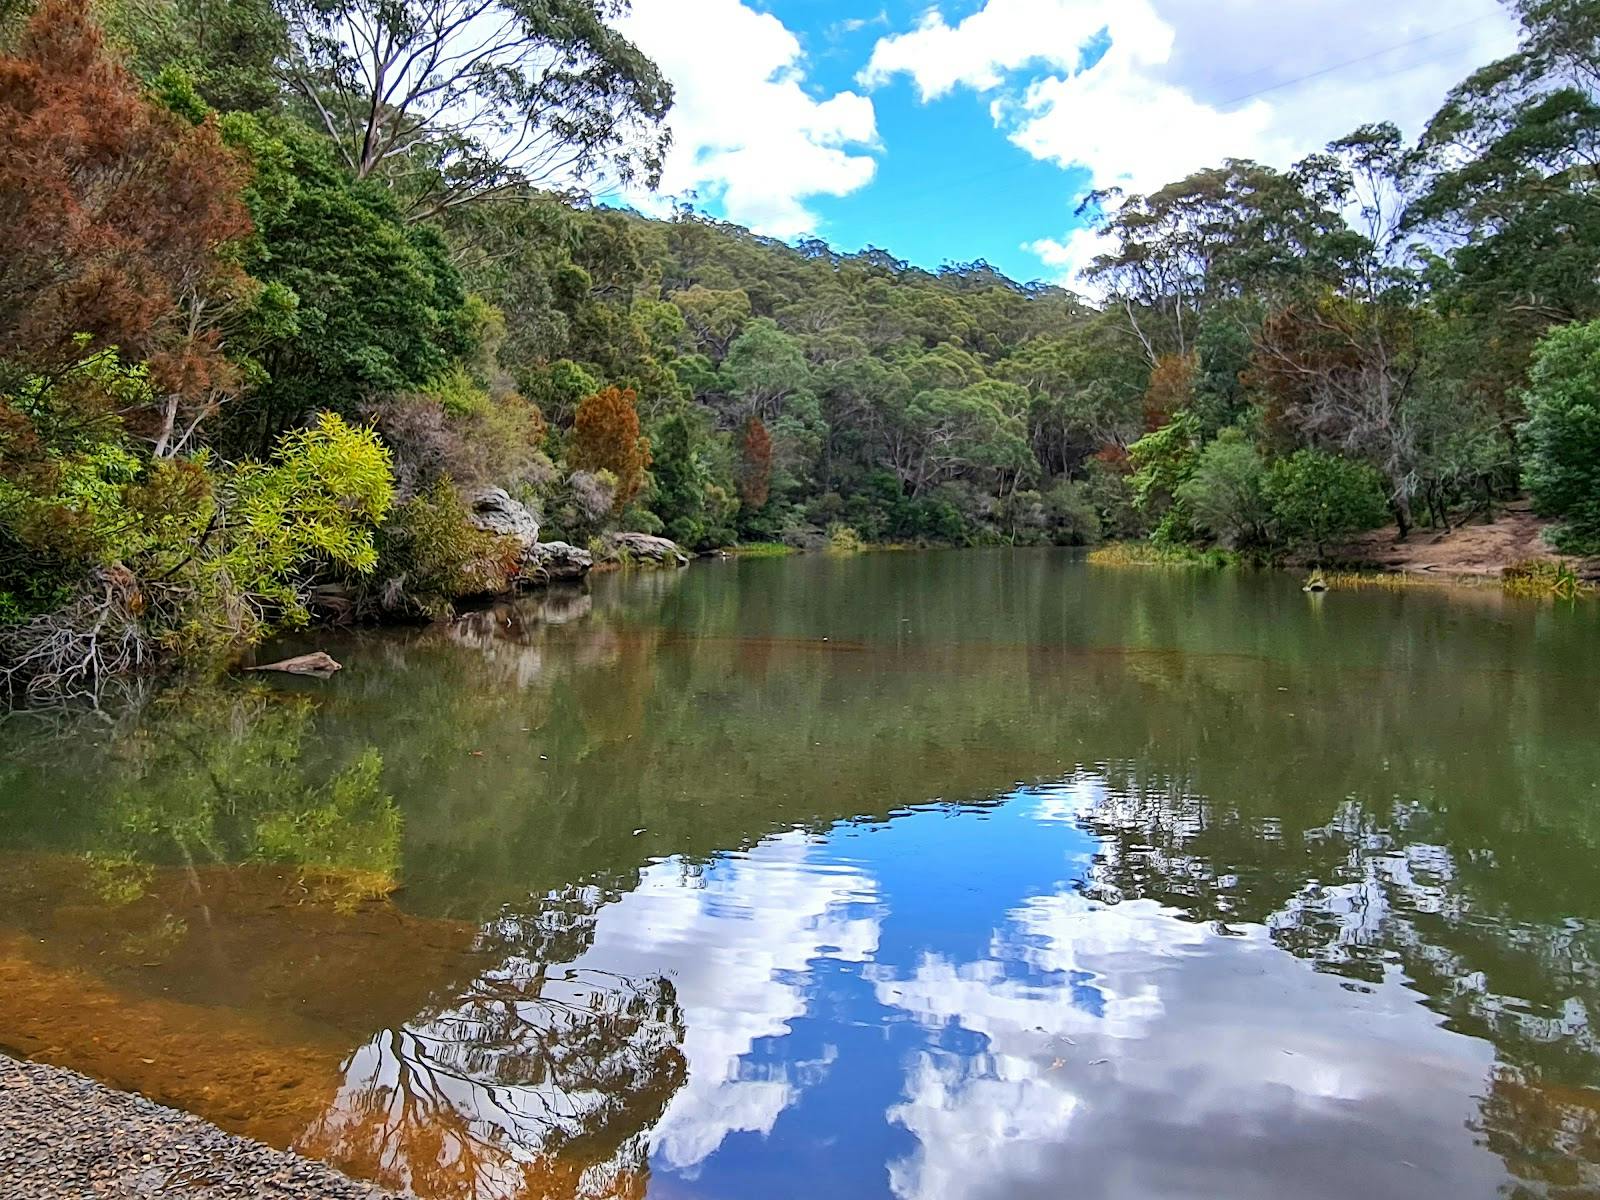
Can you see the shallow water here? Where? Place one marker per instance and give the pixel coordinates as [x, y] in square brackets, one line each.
[976, 874]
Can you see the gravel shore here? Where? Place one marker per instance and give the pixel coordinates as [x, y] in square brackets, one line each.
[65, 1137]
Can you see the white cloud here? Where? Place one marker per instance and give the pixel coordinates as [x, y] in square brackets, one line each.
[745, 129]
[1142, 1055]
[1187, 83]
[735, 940]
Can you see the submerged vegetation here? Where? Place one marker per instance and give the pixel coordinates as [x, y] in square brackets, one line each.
[259, 329]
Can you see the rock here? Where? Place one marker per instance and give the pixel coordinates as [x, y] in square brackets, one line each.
[645, 548]
[557, 561]
[494, 511]
[319, 664]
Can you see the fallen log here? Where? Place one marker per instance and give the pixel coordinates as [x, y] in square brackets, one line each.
[319, 664]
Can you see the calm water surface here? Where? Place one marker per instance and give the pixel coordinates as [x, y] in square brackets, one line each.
[959, 875]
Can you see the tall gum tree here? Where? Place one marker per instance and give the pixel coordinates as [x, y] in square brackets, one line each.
[456, 100]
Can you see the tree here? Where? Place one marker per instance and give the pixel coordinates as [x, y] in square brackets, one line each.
[755, 464]
[1241, 227]
[1343, 375]
[229, 49]
[1319, 499]
[1225, 493]
[764, 368]
[455, 100]
[605, 437]
[371, 306]
[1511, 195]
[1561, 439]
[118, 222]
[694, 504]
[1171, 387]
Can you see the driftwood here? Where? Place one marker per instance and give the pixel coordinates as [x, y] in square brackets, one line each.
[318, 664]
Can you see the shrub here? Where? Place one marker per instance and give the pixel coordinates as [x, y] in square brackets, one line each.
[1161, 462]
[580, 506]
[430, 555]
[495, 443]
[1225, 494]
[844, 540]
[1070, 515]
[1561, 438]
[1318, 499]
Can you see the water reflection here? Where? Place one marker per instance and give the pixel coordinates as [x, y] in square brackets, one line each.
[864, 1012]
[611, 1024]
[723, 884]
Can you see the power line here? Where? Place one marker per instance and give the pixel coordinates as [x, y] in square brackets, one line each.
[1353, 62]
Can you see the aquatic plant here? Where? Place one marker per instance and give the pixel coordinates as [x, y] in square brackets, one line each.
[1542, 577]
[842, 539]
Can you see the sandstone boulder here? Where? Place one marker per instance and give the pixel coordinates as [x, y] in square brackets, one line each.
[495, 511]
[645, 548]
[555, 561]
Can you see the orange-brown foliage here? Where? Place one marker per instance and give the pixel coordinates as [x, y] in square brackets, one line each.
[113, 213]
[1171, 387]
[755, 464]
[605, 436]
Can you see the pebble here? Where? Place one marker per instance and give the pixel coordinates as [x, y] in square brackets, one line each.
[65, 1137]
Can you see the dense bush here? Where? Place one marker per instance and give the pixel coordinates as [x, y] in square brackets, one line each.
[430, 556]
[1319, 499]
[173, 559]
[1561, 438]
[1225, 492]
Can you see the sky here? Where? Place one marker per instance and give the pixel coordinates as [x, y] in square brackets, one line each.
[968, 129]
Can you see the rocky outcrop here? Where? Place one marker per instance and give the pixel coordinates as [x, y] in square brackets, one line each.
[494, 511]
[557, 561]
[644, 548]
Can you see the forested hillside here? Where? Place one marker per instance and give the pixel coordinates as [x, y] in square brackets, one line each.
[282, 283]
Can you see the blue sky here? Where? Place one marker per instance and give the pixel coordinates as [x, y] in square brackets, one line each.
[967, 129]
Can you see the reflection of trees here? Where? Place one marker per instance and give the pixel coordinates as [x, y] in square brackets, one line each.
[1375, 887]
[212, 775]
[537, 1080]
[1388, 782]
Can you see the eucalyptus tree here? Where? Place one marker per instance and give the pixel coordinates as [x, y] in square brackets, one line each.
[451, 101]
[1514, 192]
[1236, 229]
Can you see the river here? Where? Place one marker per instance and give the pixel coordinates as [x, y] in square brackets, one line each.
[924, 875]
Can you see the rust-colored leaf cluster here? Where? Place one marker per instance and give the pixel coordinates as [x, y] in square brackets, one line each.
[755, 464]
[115, 216]
[605, 437]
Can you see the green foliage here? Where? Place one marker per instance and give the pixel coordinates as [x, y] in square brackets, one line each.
[1561, 438]
[1318, 499]
[377, 306]
[226, 53]
[1162, 463]
[430, 555]
[844, 540]
[1225, 492]
[318, 500]
[1543, 579]
[693, 494]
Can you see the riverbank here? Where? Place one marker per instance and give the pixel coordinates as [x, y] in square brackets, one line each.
[64, 1137]
[1509, 551]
